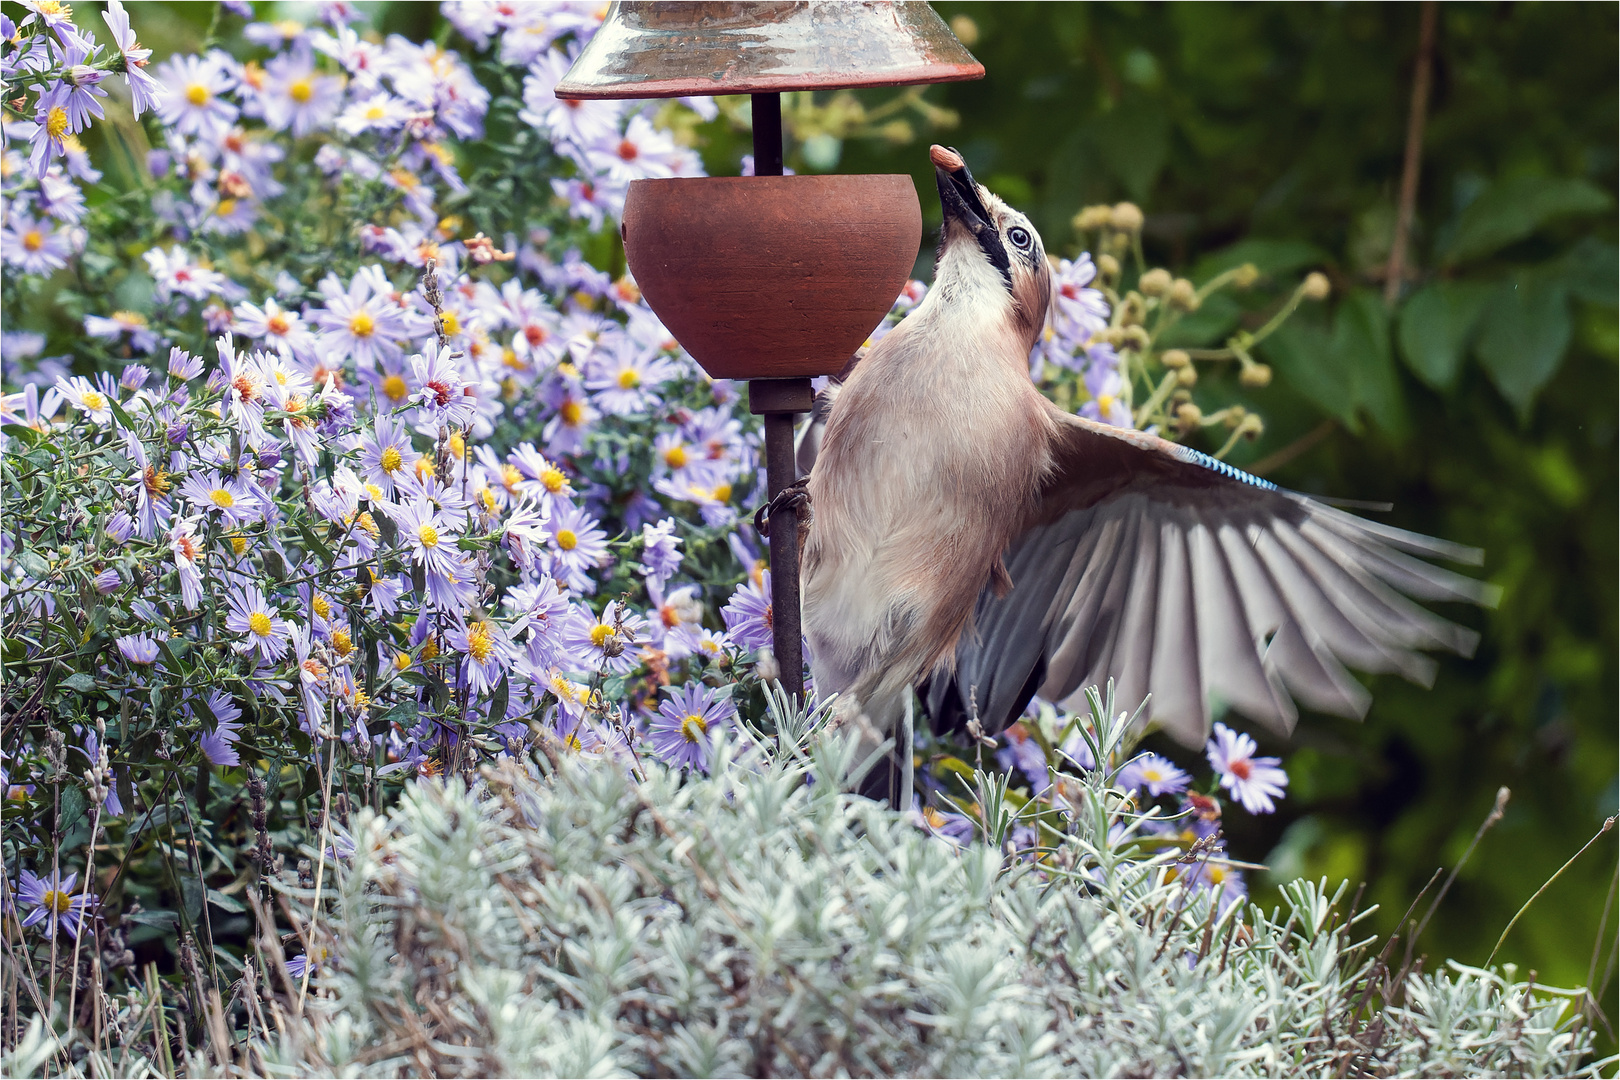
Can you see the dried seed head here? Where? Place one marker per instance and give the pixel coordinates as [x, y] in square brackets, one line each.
[1317, 286]
[1155, 282]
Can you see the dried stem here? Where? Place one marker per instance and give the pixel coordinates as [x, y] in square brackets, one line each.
[1412, 168]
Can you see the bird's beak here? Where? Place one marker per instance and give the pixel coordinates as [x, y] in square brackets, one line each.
[958, 194]
[959, 198]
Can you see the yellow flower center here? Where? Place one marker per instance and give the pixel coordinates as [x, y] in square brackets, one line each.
[373, 491]
[568, 541]
[225, 208]
[1105, 403]
[361, 324]
[510, 477]
[129, 318]
[430, 649]
[277, 324]
[458, 446]
[376, 112]
[322, 606]
[198, 94]
[56, 122]
[394, 387]
[428, 535]
[222, 498]
[341, 643]
[56, 902]
[94, 401]
[402, 661]
[722, 492]
[629, 379]
[600, 634]
[33, 240]
[452, 325]
[693, 728]
[301, 91]
[553, 478]
[480, 642]
[238, 544]
[259, 623]
[572, 413]
[391, 459]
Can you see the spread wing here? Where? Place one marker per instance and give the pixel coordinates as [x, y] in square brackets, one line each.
[1177, 575]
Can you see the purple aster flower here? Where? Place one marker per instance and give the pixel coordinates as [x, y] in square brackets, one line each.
[296, 96]
[187, 551]
[525, 532]
[386, 453]
[485, 653]
[1080, 311]
[1158, 775]
[140, 649]
[107, 581]
[431, 538]
[143, 88]
[266, 630]
[748, 614]
[955, 828]
[608, 643]
[444, 398]
[53, 903]
[660, 551]
[183, 366]
[218, 745]
[310, 962]
[674, 621]
[210, 491]
[192, 98]
[1106, 385]
[622, 376]
[539, 608]
[34, 247]
[120, 527]
[1253, 781]
[1018, 748]
[683, 732]
[577, 547]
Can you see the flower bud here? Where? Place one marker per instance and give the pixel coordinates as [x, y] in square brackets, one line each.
[1183, 296]
[1255, 375]
[1316, 286]
[1131, 310]
[1115, 337]
[1092, 217]
[1246, 275]
[1187, 376]
[1108, 266]
[965, 29]
[1137, 338]
[1235, 415]
[1155, 282]
[1175, 359]
[1126, 217]
[1189, 416]
[1252, 426]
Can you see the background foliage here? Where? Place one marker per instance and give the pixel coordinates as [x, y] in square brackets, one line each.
[1278, 131]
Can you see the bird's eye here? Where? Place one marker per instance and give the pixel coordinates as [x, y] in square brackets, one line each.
[1019, 237]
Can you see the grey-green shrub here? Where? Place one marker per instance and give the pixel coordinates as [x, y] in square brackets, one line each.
[585, 923]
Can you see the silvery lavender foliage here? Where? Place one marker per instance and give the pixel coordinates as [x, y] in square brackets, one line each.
[574, 921]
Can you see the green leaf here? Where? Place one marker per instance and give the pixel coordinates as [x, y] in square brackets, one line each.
[1437, 324]
[226, 903]
[80, 681]
[1511, 210]
[1348, 371]
[1591, 271]
[1134, 140]
[321, 551]
[28, 435]
[33, 565]
[74, 805]
[118, 412]
[1524, 334]
[498, 702]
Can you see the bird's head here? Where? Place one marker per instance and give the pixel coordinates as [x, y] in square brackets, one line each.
[989, 253]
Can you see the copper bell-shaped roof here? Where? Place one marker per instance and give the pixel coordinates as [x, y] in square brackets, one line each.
[681, 48]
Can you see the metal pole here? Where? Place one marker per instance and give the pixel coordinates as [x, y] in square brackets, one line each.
[777, 400]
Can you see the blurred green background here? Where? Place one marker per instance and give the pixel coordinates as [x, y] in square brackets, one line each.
[1483, 407]
[1482, 404]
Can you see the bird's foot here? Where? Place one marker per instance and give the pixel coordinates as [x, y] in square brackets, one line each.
[796, 496]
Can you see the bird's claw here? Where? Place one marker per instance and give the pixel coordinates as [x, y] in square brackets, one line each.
[795, 496]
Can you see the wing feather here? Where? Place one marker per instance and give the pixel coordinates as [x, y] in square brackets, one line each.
[1181, 577]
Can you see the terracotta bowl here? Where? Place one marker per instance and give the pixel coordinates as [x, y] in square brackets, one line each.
[772, 277]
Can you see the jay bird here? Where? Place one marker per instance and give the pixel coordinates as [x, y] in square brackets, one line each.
[972, 542]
